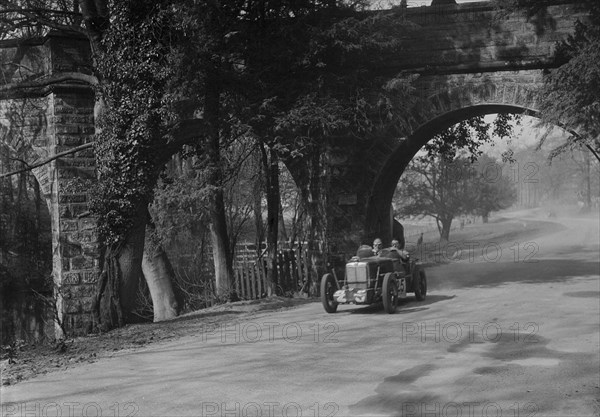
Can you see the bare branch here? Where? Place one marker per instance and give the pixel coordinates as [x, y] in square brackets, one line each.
[48, 160]
[40, 16]
[50, 80]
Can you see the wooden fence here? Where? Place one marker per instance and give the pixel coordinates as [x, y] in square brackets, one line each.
[294, 271]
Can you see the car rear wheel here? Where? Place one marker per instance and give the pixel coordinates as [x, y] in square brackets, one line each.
[328, 287]
[390, 293]
[419, 284]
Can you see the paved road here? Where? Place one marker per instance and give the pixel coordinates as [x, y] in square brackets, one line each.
[500, 338]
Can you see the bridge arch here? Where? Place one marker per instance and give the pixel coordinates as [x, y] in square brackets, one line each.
[378, 213]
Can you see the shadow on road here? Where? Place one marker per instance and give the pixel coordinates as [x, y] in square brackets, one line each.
[583, 294]
[465, 275]
[407, 305]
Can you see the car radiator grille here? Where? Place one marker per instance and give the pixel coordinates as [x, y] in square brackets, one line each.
[357, 275]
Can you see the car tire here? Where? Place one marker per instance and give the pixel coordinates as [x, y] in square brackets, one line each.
[390, 293]
[328, 287]
[419, 283]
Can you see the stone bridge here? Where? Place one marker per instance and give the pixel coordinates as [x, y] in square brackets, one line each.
[470, 59]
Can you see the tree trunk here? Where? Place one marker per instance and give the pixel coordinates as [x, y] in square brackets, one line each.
[220, 246]
[159, 276]
[316, 210]
[271, 166]
[445, 232]
[218, 225]
[282, 228]
[120, 276]
[588, 181]
[258, 219]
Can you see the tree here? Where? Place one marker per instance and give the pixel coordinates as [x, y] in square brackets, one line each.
[443, 182]
[313, 70]
[430, 188]
[445, 189]
[136, 63]
[570, 96]
[494, 191]
[571, 93]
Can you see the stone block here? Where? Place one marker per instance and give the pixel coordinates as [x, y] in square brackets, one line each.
[64, 212]
[78, 209]
[91, 249]
[72, 198]
[64, 264]
[81, 262]
[69, 129]
[87, 304]
[90, 277]
[69, 140]
[80, 291]
[87, 224]
[72, 306]
[68, 226]
[69, 250]
[72, 278]
[83, 237]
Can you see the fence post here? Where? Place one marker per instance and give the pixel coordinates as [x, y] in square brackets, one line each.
[258, 279]
[237, 282]
[247, 281]
[306, 268]
[252, 274]
[263, 275]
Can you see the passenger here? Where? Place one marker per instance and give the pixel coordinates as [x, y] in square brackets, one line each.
[396, 246]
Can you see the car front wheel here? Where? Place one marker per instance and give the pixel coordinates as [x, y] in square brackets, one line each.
[390, 293]
[328, 288]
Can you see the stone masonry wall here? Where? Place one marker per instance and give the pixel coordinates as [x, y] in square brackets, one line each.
[471, 36]
[76, 235]
[39, 122]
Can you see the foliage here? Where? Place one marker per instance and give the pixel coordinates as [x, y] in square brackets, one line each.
[571, 93]
[468, 136]
[494, 191]
[138, 66]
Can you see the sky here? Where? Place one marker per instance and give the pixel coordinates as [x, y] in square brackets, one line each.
[417, 3]
[385, 4]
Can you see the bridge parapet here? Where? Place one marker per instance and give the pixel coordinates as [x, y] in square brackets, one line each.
[477, 37]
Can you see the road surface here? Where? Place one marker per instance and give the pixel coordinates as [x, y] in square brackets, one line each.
[501, 333]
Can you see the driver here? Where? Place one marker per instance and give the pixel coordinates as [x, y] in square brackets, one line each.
[377, 246]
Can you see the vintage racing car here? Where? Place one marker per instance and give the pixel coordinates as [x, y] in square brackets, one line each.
[371, 279]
